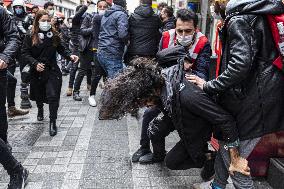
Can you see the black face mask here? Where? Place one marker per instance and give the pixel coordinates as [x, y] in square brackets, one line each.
[220, 9]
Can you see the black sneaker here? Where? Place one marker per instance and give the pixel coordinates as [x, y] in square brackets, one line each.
[9, 146]
[139, 153]
[18, 180]
[208, 171]
[150, 159]
[76, 96]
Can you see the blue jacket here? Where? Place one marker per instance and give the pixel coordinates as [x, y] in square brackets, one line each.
[113, 33]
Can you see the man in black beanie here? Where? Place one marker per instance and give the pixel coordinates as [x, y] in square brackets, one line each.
[113, 38]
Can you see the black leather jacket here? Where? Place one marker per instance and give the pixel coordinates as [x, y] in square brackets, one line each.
[9, 41]
[250, 87]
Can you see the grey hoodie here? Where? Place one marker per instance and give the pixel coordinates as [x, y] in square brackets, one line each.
[255, 7]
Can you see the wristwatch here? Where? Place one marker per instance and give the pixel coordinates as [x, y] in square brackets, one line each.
[234, 144]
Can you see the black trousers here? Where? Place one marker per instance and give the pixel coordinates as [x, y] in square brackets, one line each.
[49, 92]
[3, 114]
[149, 115]
[84, 69]
[8, 161]
[199, 113]
[97, 73]
[72, 74]
[11, 89]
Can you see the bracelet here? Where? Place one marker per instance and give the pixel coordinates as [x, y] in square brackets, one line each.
[233, 144]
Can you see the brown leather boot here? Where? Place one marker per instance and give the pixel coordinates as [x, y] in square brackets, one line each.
[13, 111]
[69, 92]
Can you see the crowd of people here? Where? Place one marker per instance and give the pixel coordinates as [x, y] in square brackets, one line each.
[159, 61]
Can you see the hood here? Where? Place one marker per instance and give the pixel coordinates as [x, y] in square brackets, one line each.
[255, 7]
[113, 9]
[171, 19]
[144, 11]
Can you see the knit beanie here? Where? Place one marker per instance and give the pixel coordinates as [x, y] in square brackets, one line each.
[120, 2]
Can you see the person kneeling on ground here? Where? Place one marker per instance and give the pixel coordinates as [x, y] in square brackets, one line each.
[186, 108]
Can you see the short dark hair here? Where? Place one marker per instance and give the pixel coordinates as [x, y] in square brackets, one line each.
[169, 11]
[47, 4]
[35, 7]
[147, 2]
[162, 5]
[187, 15]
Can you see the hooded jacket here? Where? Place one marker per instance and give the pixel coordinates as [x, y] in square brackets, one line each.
[250, 87]
[113, 33]
[144, 27]
[169, 24]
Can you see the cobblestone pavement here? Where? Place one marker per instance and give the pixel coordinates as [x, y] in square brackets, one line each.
[86, 152]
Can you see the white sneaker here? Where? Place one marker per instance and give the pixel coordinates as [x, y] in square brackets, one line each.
[203, 185]
[92, 101]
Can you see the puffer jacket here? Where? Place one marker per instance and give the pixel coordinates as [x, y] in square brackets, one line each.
[144, 27]
[250, 87]
[113, 33]
[9, 38]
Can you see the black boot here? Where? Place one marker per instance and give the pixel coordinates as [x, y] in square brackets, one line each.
[40, 114]
[18, 178]
[208, 171]
[52, 128]
[76, 96]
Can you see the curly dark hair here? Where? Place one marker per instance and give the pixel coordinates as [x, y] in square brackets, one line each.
[130, 89]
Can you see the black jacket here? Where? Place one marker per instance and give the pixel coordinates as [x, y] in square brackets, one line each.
[9, 39]
[169, 24]
[65, 35]
[75, 30]
[193, 114]
[44, 53]
[250, 87]
[144, 27]
[85, 36]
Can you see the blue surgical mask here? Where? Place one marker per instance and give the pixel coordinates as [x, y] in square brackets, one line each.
[19, 11]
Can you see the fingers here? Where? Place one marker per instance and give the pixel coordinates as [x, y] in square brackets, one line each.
[40, 67]
[3, 65]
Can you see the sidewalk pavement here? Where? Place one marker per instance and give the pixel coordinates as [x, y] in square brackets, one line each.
[87, 152]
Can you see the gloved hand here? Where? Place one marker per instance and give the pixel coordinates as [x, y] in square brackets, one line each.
[153, 129]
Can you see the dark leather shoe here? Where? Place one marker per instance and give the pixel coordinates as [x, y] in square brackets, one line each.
[40, 114]
[52, 128]
[76, 96]
[139, 153]
[150, 159]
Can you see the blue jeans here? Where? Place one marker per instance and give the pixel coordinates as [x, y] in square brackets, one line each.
[111, 66]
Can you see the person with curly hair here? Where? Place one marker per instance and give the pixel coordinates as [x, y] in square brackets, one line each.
[185, 107]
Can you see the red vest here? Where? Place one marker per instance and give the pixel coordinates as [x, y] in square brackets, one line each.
[169, 40]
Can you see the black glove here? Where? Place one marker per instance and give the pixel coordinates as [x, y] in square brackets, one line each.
[154, 128]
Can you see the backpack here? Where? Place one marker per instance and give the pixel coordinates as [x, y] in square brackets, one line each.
[273, 20]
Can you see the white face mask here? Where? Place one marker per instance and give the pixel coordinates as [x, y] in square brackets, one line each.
[213, 13]
[51, 13]
[101, 12]
[44, 26]
[184, 40]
